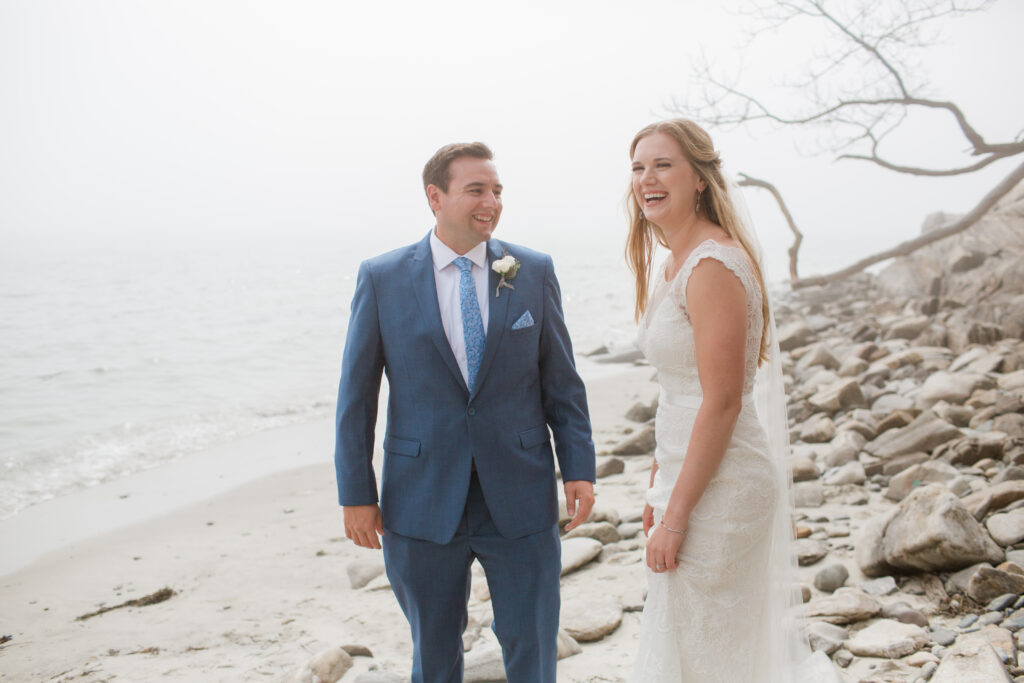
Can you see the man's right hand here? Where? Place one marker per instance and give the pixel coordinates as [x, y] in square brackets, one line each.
[363, 525]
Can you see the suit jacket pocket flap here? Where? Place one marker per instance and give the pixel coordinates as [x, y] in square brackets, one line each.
[531, 438]
[401, 446]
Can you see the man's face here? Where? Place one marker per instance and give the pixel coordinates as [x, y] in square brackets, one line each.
[468, 212]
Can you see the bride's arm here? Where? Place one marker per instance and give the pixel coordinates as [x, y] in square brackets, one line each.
[717, 306]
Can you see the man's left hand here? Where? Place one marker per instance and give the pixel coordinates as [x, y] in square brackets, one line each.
[579, 500]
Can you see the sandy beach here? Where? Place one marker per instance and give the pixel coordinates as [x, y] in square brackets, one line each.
[249, 538]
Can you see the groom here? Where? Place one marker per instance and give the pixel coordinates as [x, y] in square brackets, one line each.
[479, 367]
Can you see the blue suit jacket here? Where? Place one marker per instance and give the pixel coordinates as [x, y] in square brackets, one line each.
[436, 428]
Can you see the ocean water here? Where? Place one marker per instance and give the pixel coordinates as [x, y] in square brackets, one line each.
[116, 358]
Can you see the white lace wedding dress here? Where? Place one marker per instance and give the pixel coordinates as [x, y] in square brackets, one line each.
[710, 619]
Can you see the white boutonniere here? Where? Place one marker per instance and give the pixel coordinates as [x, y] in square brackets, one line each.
[507, 267]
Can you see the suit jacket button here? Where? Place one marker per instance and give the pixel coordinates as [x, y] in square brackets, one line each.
[472, 411]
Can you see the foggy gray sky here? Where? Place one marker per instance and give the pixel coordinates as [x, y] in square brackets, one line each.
[205, 120]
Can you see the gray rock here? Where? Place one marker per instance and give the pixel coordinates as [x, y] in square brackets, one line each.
[810, 551]
[887, 403]
[933, 531]
[1011, 473]
[831, 578]
[972, 449]
[922, 474]
[950, 387]
[971, 660]
[628, 530]
[883, 585]
[844, 606]
[844, 447]
[1011, 424]
[850, 473]
[326, 666]
[904, 613]
[808, 494]
[943, 636]
[1007, 528]
[977, 360]
[826, 637]
[817, 355]
[628, 356]
[640, 443]
[380, 677]
[842, 395]
[598, 619]
[795, 334]
[887, 638]
[908, 328]
[600, 531]
[484, 664]
[994, 497]
[361, 572]
[609, 466]
[803, 469]
[957, 581]
[576, 552]
[869, 550]
[989, 618]
[640, 412]
[960, 260]
[923, 434]
[989, 583]
[959, 416]
[852, 366]
[567, 645]
[818, 429]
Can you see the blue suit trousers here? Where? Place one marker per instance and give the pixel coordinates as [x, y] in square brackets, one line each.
[432, 582]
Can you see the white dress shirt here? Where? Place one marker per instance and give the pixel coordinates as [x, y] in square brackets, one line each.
[446, 279]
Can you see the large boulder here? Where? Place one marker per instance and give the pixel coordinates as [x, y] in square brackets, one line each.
[933, 531]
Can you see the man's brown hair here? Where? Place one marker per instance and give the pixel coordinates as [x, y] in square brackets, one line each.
[436, 172]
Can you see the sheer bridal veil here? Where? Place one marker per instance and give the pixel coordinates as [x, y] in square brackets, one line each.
[787, 650]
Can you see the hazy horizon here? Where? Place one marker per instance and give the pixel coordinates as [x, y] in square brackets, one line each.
[203, 123]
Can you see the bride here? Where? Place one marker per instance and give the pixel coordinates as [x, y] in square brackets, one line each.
[722, 586]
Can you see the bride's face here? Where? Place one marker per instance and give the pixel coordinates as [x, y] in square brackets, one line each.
[664, 183]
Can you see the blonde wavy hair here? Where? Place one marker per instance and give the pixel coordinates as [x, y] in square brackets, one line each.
[715, 206]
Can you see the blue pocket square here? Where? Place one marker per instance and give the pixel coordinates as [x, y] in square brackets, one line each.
[525, 320]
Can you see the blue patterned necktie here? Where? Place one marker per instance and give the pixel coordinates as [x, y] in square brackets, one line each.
[472, 321]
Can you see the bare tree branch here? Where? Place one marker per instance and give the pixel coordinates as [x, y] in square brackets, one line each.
[798, 237]
[904, 248]
[857, 93]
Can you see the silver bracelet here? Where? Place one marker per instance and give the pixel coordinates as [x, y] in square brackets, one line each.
[675, 531]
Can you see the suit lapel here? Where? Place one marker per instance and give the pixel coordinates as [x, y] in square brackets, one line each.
[426, 296]
[497, 313]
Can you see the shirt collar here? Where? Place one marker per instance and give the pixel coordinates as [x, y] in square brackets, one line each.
[443, 254]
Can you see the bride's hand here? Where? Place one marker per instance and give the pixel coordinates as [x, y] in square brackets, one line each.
[662, 549]
[648, 519]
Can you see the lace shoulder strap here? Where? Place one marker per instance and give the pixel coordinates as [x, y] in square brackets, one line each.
[733, 258]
